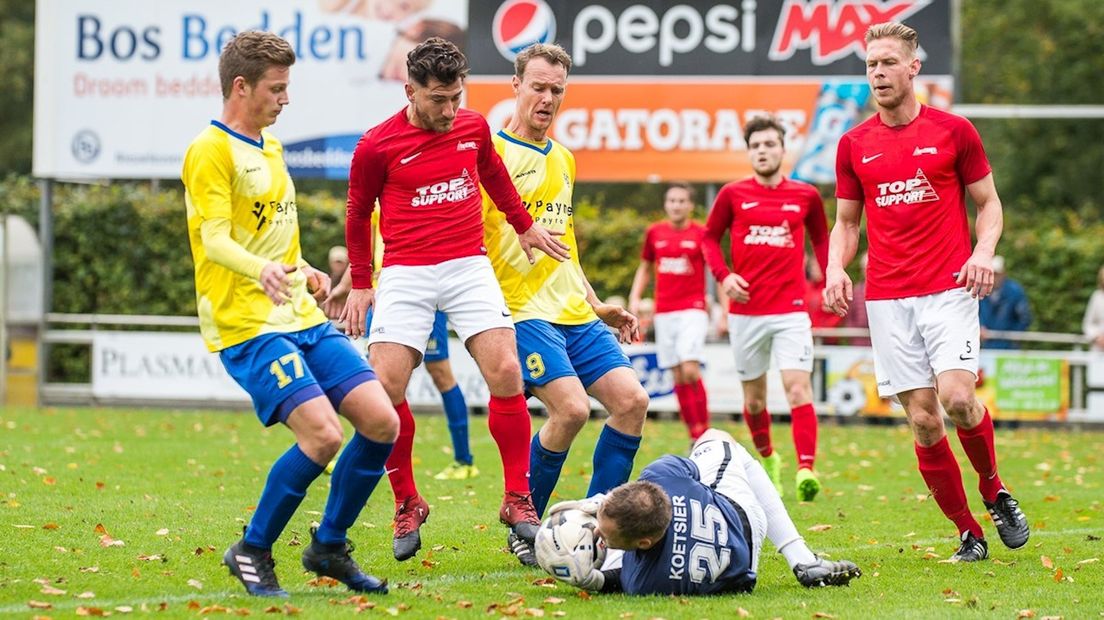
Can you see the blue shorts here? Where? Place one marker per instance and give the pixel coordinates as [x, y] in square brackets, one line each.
[437, 346]
[284, 370]
[549, 351]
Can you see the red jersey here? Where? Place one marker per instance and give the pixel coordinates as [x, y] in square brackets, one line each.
[679, 265]
[911, 181]
[767, 229]
[427, 185]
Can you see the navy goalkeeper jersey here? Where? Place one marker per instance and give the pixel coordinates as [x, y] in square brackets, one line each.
[705, 550]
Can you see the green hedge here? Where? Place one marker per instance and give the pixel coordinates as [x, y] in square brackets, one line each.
[123, 248]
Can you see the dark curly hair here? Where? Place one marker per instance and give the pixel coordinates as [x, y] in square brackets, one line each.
[436, 58]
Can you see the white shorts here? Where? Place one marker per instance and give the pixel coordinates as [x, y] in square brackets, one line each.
[680, 337]
[408, 296]
[753, 337]
[917, 338]
[722, 466]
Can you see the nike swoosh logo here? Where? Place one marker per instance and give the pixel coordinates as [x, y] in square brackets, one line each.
[407, 160]
[749, 205]
[867, 160]
[964, 358]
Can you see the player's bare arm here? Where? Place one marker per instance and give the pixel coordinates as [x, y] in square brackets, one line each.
[318, 283]
[842, 245]
[540, 238]
[736, 288]
[640, 282]
[334, 304]
[613, 315]
[977, 273]
[355, 315]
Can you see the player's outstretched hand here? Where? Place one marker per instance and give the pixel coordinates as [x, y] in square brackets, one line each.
[318, 283]
[540, 238]
[620, 319]
[355, 315]
[838, 292]
[589, 505]
[977, 275]
[736, 288]
[275, 281]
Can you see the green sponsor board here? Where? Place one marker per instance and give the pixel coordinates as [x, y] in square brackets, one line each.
[1029, 384]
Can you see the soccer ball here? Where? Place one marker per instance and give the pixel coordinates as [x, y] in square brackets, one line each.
[566, 543]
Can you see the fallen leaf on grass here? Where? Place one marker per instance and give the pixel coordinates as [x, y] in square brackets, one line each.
[108, 541]
[583, 594]
[50, 526]
[821, 614]
[33, 604]
[534, 612]
[743, 613]
[23, 526]
[1058, 575]
[51, 591]
[545, 582]
[162, 532]
[464, 604]
[90, 611]
[124, 609]
[195, 583]
[1026, 613]
[87, 595]
[823, 527]
[323, 582]
[90, 569]
[152, 558]
[49, 481]
[553, 600]
[1047, 562]
[1088, 561]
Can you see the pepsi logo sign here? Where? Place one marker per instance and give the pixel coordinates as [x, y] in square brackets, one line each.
[520, 23]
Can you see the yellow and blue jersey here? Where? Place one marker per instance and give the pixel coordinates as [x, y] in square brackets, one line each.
[553, 291]
[242, 186]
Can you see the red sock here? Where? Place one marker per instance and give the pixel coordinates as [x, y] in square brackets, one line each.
[686, 406]
[804, 428]
[759, 425]
[978, 443]
[940, 471]
[508, 419]
[701, 408]
[400, 470]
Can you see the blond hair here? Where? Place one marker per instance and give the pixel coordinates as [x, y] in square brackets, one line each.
[554, 54]
[895, 30]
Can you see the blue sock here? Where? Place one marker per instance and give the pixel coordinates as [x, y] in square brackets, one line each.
[285, 489]
[456, 410]
[544, 472]
[355, 476]
[613, 459]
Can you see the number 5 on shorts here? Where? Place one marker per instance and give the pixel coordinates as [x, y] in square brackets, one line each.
[277, 369]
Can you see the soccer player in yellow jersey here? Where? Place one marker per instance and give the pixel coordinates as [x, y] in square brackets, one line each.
[256, 309]
[565, 350]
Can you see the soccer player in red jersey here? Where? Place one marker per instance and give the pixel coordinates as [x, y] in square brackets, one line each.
[673, 249]
[766, 216]
[424, 165]
[910, 166]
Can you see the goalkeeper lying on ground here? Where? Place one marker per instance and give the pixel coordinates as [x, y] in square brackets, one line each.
[695, 526]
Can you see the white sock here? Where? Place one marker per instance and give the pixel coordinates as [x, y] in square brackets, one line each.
[780, 528]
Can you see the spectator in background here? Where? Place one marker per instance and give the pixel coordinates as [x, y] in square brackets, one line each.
[1005, 309]
[1093, 323]
[339, 262]
[646, 320]
[857, 316]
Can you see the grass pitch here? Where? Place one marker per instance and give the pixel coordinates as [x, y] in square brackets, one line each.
[110, 511]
